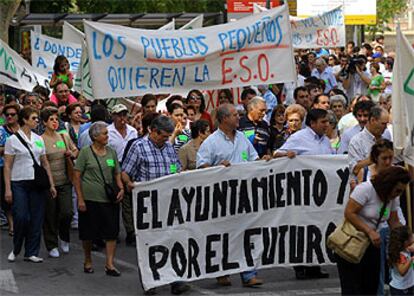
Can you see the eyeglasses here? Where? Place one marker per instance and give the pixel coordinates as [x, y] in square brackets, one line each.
[10, 114]
[34, 118]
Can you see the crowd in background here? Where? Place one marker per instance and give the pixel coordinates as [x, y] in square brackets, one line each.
[92, 155]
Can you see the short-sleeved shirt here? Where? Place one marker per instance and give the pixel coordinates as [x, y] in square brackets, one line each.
[188, 156]
[328, 77]
[218, 147]
[22, 168]
[307, 142]
[406, 281]
[251, 130]
[182, 139]
[375, 81]
[92, 183]
[365, 195]
[55, 152]
[5, 133]
[146, 161]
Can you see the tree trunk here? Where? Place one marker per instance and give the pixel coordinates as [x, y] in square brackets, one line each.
[8, 9]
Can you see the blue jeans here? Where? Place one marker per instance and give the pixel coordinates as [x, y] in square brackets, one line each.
[248, 275]
[385, 236]
[28, 212]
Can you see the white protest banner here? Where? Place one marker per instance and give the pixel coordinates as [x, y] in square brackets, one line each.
[16, 72]
[129, 62]
[219, 221]
[83, 83]
[168, 27]
[45, 49]
[323, 30]
[72, 34]
[194, 23]
[403, 99]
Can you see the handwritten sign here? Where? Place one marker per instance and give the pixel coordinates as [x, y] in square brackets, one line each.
[16, 72]
[322, 30]
[45, 49]
[129, 62]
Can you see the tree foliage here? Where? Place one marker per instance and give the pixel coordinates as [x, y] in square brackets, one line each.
[387, 10]
[8, 9]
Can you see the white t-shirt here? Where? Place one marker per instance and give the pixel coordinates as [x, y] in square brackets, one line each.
[402, 282]
[22, 168]
[365, 195]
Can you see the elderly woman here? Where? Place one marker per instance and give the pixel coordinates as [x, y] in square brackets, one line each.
[338, 105]
[370, 204]
[96, 166]
[10, 112]
[332, 131]
[294, 116]
[200, 130]
[28, 198]
[59, 212]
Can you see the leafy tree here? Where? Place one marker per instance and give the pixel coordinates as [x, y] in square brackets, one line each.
[8, 8]
[386, 11]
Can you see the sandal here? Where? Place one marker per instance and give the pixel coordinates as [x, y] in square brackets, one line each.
[88, 269]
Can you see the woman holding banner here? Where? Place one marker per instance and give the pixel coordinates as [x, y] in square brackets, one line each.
[371, 203]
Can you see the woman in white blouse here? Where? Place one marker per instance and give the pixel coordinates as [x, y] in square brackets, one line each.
[28, 202]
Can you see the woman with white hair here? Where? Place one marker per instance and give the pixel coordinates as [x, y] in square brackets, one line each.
[96, 170]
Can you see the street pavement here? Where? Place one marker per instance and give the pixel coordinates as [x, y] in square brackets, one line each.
[64, 276]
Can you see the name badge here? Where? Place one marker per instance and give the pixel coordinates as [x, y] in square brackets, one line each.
[183, 138]
[60, 145]
[39, 144]
[110, 162]
[173, 168]
[244, 155]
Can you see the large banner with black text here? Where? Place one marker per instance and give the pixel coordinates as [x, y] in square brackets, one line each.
[129, 61]
[218, 221]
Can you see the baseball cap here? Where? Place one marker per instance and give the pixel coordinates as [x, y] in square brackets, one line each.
[118, 109]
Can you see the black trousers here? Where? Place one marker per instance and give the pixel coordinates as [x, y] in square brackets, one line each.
[361, 278]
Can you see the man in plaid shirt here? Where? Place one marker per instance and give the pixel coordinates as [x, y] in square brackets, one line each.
[150, 158]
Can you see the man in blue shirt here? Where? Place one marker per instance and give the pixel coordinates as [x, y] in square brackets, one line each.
[323, 72]
[270, 98]
[311, 140]
[228, 146]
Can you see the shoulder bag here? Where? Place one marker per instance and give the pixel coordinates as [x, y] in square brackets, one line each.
[68, 161]
[41, 179]
[111, 189]
[350, 243]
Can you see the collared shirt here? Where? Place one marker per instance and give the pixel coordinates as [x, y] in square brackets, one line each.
[22, 168]
[360, 147]
[328, 77]
[357, 86]
[271, 102]
[145, 161]
[251, 131]
[117, 142]
[350, 133]
[347, 121]
[307, 142]
[218, 147]
[182, 139]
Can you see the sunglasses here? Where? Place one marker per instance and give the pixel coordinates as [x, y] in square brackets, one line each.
[34, 118]
[10, 114]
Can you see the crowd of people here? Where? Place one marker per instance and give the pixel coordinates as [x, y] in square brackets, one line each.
[90, 157]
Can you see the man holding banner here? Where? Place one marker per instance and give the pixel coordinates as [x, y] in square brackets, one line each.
[228, 146]
[150, 158]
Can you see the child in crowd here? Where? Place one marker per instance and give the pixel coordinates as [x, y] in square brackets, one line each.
[402, 273]
[61, 72]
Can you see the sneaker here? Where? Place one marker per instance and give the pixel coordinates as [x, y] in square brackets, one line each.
[11, 257]
[54, 253]
[64, 246]
[33, 259]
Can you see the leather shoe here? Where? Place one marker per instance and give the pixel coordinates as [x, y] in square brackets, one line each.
[179, 288]
[253, 282]
[224, 281]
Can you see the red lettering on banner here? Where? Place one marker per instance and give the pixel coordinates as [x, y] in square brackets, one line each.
[244, 67]
[225, 71]
[327, 37]
[263, 57]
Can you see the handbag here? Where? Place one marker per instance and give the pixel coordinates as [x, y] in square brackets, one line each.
[111, 190]
[348, 242]
[69, 162]
[41, 180]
